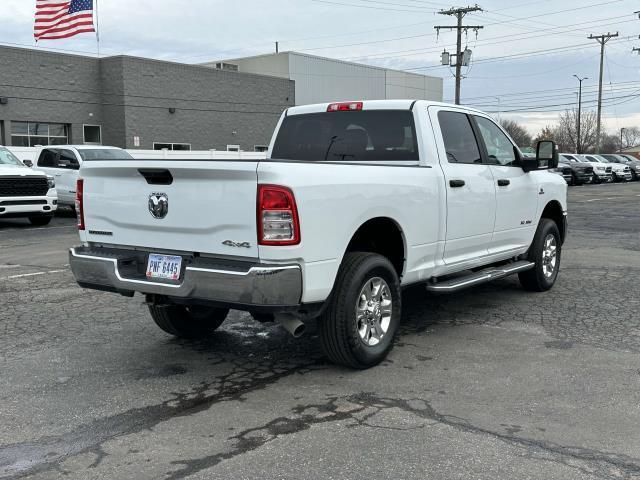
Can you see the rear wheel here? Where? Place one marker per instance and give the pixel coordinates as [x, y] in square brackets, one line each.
[40, 221]
[545, 254]
[361, 320]
[191, 321]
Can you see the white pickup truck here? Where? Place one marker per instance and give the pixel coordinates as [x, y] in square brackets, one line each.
[354, 201]
[25, 193]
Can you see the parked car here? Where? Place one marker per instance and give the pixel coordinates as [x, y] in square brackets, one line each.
[619, 172]
[564, 171]
[63, 162]
[354, 201]
[580, 173]
[601, 173]
[631, 162]
[25, 193]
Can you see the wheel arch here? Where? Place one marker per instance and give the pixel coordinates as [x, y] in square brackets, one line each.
[382, 235]
[554, 211]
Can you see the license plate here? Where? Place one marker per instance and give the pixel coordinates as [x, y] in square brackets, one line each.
[164, 266]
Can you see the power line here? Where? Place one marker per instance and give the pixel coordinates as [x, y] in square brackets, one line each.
[598, 4]
[519, 37]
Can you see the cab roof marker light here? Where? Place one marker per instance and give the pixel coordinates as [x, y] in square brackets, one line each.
[344, 107]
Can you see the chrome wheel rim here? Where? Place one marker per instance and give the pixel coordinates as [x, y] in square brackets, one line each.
[373, 311]
[549, 255]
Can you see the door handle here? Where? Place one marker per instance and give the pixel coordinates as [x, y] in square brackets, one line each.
[58, 174]
[503, 182]
[456, 183]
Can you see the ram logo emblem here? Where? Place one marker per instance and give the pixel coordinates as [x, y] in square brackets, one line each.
[158, 205]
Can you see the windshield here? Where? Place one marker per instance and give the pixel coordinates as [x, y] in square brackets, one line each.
[364, 135]
[602, 160]
[104, 154]
[8, 158]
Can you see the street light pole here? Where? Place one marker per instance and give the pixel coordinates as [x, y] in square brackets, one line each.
[578, 139]
[621, 130]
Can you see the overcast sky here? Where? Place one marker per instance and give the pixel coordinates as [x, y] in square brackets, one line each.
[545, 43]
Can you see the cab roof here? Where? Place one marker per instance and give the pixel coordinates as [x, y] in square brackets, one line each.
[375, 105]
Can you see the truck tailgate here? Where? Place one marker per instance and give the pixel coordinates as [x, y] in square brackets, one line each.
[211, 205]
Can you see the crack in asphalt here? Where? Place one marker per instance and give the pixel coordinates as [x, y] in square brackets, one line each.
[361, 408]
[26, 458]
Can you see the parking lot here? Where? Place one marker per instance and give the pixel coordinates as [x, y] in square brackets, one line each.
[491, 383]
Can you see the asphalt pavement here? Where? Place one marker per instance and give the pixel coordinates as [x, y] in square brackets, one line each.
[492, 383]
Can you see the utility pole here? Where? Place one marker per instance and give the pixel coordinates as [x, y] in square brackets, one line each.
[579, 122]
[459, 13]
[621, 130]
[602, 40]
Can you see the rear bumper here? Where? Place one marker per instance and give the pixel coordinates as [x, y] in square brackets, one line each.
[242, 285]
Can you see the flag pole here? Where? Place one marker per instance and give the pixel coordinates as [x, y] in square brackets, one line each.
[97, 27]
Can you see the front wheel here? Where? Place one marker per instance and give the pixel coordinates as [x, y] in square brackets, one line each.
[359, 325]
[545, 254]
[192, 321]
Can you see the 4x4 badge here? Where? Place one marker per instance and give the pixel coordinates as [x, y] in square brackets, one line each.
[231, 243]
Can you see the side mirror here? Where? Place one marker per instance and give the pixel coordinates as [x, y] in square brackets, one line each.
[28, 163]
[546, 157]
[547, 154]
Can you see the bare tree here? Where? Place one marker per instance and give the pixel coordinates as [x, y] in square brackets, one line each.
[566, 131]
[519, 134]
[547, 133]
[609, 144]
[630, 137]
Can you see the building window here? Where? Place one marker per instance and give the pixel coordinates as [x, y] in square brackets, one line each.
[92, 134]
[233, 148]
[171, 146]
[260, 148]
[28, 134]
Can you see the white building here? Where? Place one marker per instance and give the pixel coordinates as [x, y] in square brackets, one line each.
[320, 79]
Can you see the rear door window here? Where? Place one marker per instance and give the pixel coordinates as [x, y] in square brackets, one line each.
[459, 140]
[67, 159]
[47, 158]
[351, 136]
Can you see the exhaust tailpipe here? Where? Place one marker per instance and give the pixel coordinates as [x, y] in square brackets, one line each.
[291, 324]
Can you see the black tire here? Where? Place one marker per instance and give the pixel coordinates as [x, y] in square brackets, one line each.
[614, 178]
[192, 321]
[535, 279]
[40, 221]
[634, 176]
[574, 180]
[339, 325]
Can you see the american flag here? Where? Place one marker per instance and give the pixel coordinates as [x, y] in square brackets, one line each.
[63, 19]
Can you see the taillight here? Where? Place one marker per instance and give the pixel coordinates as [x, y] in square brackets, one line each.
[80, 203]
[277, 216]
[344, 107]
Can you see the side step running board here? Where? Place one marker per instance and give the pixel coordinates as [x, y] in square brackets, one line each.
[476, 278]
